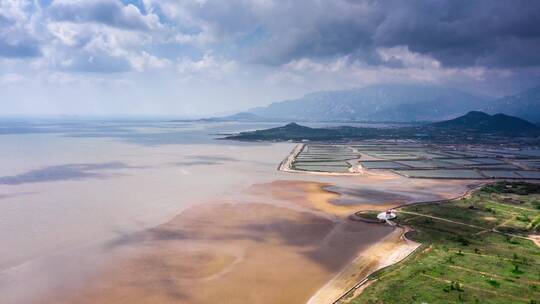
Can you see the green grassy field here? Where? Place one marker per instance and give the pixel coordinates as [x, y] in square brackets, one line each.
[473, 250]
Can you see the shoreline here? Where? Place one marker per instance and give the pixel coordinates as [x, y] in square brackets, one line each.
[390, 250]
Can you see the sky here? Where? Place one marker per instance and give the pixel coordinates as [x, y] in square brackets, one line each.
[191, 58]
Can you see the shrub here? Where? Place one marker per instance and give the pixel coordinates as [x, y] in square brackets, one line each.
[523, 218]
[516, 269]
[463, 241]
[493, 282]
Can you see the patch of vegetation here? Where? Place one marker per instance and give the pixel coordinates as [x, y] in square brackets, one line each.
[520, 188]
[462, 260]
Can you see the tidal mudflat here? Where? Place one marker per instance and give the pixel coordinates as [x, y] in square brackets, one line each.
[157, 212]
[230, 253]
[278, 248]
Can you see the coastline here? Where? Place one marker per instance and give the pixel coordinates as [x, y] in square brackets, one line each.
[390, 250]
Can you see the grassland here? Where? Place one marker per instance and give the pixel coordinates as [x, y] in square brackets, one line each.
[474, 250]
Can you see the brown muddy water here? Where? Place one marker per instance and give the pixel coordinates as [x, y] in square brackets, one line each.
[159, 212]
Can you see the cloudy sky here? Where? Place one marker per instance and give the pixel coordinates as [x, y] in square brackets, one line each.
[202, 57]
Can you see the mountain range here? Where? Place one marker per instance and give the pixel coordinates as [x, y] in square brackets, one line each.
[396, 103]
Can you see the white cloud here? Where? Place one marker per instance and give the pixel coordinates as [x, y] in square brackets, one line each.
[208, 67]
[17, 37]
[200, 39]
[94, 47]
[146, 61]
[346, 72]
[408, 59]
[14, 10]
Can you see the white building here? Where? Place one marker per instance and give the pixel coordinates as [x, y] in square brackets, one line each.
[387, 215]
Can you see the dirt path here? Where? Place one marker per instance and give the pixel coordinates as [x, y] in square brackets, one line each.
[442, 219]
[286, 164]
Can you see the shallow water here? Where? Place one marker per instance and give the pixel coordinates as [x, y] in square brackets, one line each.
[64, 186]
[67, 189]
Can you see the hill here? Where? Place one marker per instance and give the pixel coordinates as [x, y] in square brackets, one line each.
[290, 131]
[388, 102]
[473, 125]
[484, 123]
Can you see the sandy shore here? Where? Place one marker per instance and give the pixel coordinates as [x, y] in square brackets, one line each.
[390, 250]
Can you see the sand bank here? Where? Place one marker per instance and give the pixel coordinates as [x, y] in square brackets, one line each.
[341, 201]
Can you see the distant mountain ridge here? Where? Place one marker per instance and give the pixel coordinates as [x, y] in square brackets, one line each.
[242, 116]
[398, 103]
[387, 102]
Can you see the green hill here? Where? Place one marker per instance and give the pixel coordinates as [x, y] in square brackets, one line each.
[484, 123]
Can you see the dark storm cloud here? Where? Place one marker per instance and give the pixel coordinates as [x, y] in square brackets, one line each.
[463, 33]
[491, 33]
